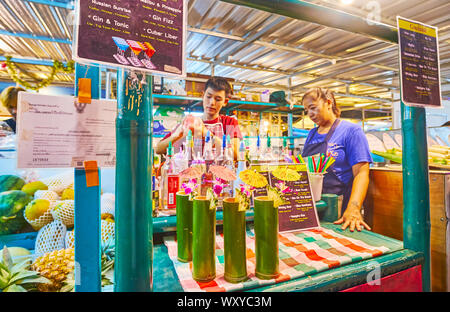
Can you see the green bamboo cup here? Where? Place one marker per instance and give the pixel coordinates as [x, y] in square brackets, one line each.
[184, 227]
[203, 240]
[266, 238]
[234, 241]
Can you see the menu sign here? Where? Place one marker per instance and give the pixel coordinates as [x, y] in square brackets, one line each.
[299, 211]
[54, 132]
[419, 64]
[147, 35]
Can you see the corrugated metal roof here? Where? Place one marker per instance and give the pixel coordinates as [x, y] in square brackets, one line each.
[252, 46]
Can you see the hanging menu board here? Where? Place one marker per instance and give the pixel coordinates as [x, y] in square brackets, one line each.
[299, 210]
[419, 64]
[145, 35]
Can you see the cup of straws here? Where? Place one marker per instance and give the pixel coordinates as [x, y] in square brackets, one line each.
[317, 167]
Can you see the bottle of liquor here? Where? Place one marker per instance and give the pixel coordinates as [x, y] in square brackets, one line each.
[170, 182]
[228, 163]
[228, 154]
[208, 157]
[241, 167]
[268, 153]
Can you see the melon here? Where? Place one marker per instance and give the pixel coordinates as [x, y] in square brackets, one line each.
[36, 208]
[10, 182]
[32, 187]
[12, 204]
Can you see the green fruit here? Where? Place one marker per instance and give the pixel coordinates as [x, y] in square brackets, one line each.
[12, 204]
[32, 187]
[10, 182]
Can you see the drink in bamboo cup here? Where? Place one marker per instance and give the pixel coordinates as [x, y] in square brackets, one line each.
[234, 241]
[184, 227]
[203, 240]
[266, 238]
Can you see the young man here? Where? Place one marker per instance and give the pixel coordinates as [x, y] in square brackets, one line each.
[215, 96]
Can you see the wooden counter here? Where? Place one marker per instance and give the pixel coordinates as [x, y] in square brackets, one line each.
[383, 211]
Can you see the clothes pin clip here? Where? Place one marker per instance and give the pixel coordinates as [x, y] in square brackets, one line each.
[91, 169]
[84, 94]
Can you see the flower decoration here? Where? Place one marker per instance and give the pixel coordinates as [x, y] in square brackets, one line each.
[282, 187]
[212, 194]
[243, 195]
[277, 193]
[190, 187]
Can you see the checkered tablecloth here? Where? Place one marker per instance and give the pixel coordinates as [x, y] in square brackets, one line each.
[301, 253]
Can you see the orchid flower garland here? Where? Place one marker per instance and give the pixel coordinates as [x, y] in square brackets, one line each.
[190, 188]
[212, 194]
[243, 195]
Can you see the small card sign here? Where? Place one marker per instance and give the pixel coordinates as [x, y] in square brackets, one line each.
[299, 211]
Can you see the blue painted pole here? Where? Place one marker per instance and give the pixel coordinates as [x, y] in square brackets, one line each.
[134, 229]
[87, 210]
[416, 185]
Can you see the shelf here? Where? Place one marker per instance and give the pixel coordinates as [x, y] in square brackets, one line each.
[194, 102]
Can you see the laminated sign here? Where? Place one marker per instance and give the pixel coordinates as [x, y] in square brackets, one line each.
[144, 35]
[297, 209]
[419, 64]
[53, 133]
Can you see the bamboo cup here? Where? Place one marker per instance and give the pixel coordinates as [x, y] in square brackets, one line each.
[266, 238]
[234, 241]
[204, 240]
[184, 227]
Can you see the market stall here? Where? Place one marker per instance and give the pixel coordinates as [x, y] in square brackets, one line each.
[321, 258]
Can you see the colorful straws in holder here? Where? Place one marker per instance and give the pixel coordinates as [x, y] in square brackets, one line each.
[294, 159]
[320, 163]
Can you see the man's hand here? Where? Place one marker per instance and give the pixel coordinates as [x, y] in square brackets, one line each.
[352, 216]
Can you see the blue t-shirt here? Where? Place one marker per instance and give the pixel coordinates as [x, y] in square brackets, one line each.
[348, 145]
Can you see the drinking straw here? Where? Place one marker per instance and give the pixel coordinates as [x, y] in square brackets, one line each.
[302, 161]
[314, 163]
[319, 165]
[293, 159]
[324, 164]
[309, 164]
[330, 163]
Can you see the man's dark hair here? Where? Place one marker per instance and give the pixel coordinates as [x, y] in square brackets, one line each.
[219, 84]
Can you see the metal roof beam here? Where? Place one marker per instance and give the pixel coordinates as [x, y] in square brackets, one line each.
[68, 4]
[250, 39]
[34, 37]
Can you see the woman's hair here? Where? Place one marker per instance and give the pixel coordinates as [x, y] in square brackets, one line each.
[8, 97]
[219, 84]
[324, 94]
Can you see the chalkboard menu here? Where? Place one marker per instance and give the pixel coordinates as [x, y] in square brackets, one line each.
[419, 64]
[299, 211]
[144, 35]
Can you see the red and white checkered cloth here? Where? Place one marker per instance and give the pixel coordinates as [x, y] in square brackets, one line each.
[301, 253]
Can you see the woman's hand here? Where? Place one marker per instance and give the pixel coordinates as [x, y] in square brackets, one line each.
[352, 216]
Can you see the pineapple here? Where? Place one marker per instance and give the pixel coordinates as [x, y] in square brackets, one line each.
[55, 266]
[58, 267]
[107, 263]
[16, 277]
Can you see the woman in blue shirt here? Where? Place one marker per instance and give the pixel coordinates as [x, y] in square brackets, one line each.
[346, 142]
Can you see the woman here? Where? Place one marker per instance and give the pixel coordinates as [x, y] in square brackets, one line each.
[8, 98]
[346, 142]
